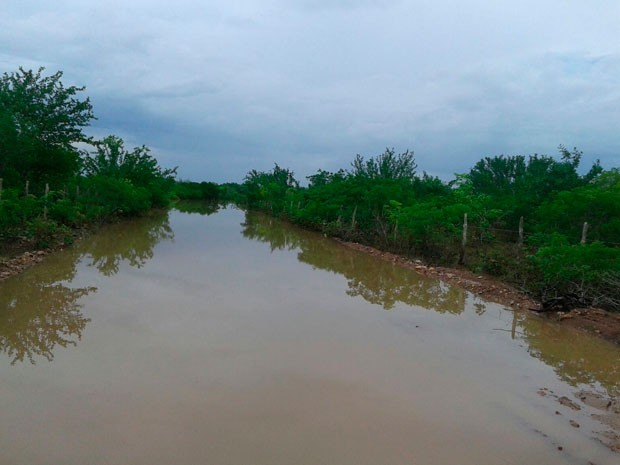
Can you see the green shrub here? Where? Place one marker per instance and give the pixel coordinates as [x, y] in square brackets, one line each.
[66, 212]
[587, 273]
[46, 233]
[111, 196]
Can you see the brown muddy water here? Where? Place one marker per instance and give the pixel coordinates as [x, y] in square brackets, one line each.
[189, 338]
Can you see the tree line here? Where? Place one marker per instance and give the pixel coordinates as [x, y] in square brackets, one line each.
[538, 222]
[54, 178]
[515, 217]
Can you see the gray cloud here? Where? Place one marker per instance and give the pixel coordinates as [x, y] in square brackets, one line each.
[219, 89]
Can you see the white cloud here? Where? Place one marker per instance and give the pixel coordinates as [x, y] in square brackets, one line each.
[311, 83]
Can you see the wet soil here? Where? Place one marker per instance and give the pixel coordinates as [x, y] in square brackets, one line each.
[594, 320]
[20, 255]
[12, 265]
[600, 322]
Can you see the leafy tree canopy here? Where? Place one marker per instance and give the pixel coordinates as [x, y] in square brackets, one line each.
[111, 159]
[388, 165]
[41, 120]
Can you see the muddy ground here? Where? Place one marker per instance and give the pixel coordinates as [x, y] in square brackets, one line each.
[10, 266]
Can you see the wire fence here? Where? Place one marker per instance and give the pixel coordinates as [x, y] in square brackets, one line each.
[588, 234]
[471, 232]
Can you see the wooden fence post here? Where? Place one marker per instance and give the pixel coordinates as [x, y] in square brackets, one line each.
[353, 218]
[520, 241]
[464, 240]
[47, 191]
[584, 233]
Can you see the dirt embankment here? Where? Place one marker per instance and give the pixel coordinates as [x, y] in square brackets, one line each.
[597, 321]
[15, 265]
[21, 255]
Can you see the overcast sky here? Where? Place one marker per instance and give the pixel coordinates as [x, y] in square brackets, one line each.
[221, 87]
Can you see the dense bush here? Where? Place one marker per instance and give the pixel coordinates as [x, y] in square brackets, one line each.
[577, 275]
[40, 123]
[187, 190]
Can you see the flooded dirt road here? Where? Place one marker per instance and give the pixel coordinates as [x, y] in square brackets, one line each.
[233, 338]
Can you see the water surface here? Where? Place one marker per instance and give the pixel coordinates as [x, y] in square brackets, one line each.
[233, 338]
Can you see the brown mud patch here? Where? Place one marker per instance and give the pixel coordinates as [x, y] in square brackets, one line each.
[16, 264]
[593, 320]
[18, 256]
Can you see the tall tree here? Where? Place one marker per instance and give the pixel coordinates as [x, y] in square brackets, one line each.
[41, 120]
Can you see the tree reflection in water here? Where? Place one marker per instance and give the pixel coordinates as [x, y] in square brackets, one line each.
[377, 281]
[581, 359]
[199, 207]
[130, 242]
[39, 311]
[577, 359]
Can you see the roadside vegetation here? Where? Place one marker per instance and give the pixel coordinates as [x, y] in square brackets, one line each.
[55, 180]
[535, 222]
[541, 223]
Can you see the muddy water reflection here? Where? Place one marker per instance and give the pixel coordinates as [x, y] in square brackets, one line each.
[376, 281]
[37, 313]
[264, 344]
[40, 311]
[126, 242]
[576, 359]
[588, 364]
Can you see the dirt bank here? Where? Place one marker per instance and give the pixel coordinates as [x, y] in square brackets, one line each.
[593, 320]
[16, 264]
[21, 255]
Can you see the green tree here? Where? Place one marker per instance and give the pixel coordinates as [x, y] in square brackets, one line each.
[269, 190]
[41, 120]
[138, 167]
[516, 185]
[388, 165]
[597, 203]
[188, 190]
[112, 159]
